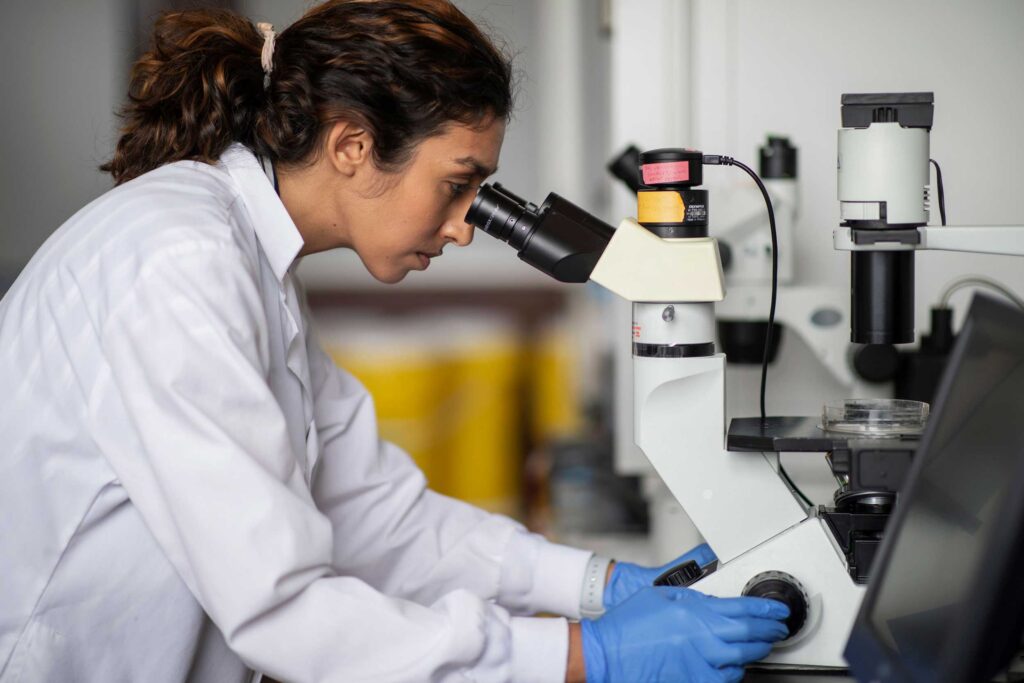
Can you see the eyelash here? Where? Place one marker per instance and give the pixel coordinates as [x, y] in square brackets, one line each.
[457, 189]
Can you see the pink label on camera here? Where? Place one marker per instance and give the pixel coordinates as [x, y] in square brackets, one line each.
[666, 172]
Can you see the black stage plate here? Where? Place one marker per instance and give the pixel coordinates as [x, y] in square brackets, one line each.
[799, 435]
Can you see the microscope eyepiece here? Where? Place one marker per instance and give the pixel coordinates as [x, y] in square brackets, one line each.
[499, 213]
[558, 238]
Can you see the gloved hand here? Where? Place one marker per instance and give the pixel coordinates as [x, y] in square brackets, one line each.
[628, 578]
[665, 633]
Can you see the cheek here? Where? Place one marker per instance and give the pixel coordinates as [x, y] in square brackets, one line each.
[418, 220]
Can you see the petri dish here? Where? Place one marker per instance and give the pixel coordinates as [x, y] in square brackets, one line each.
[875, 417]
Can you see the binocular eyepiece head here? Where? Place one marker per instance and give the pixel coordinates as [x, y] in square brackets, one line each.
[558, 238]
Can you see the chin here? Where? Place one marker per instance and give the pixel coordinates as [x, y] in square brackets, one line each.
[391, 277]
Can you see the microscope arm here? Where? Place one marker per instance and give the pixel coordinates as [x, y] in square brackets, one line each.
[994, 239]
[736, 500]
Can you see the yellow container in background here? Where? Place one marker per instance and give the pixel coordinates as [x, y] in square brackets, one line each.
[483, 416]
[406, 385]
[554, 401]
[448, 390]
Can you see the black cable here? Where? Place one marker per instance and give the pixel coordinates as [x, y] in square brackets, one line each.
[942, 192]
[729, 161]
[715, 159]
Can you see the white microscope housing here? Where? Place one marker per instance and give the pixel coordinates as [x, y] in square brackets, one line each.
[739, 503]
[671, 270]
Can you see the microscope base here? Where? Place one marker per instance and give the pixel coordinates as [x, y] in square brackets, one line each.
[806, 552]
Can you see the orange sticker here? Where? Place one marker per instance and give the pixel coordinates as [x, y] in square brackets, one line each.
[665, 206]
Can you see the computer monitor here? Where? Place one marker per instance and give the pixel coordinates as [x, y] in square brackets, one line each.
[946, 601]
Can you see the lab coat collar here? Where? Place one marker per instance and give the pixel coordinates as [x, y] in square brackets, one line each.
[274, 228]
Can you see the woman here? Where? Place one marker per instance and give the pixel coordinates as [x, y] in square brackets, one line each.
[190, 490]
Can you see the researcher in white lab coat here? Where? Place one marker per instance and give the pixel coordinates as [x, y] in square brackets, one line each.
[190, 490]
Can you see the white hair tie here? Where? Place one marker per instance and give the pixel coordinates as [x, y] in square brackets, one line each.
[267, 56]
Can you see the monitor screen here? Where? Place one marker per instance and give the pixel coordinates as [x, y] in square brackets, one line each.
[944, 602]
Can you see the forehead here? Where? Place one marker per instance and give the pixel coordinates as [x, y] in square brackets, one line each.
[475, 148]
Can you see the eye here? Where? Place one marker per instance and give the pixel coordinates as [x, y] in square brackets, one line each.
[457, 189]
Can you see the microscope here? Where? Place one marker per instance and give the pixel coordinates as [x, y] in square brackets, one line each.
[769, 542]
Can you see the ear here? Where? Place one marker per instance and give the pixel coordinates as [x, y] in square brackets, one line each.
[348, 147]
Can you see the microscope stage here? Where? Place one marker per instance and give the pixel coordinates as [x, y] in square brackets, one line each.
[803, 435]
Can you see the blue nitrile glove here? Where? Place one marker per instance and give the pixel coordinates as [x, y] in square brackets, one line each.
[628, 578]
[666, 633]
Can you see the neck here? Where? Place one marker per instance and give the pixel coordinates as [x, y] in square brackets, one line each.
[304, 193]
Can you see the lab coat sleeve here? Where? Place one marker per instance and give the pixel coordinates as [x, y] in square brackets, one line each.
[403, 538]
[185, 417]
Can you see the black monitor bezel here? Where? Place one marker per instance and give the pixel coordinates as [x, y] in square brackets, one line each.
[997, 607]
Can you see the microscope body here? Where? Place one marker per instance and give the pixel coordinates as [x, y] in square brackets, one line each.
[665, 263]
[739, 503]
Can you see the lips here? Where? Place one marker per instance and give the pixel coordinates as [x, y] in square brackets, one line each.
[425, 256]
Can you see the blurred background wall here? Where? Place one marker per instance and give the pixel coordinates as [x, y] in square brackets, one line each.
[65, 67]
[594, 75]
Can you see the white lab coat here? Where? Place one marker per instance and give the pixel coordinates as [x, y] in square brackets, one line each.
[189, 489]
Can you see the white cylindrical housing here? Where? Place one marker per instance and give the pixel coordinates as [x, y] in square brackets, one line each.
[884, 163]
[673, 324]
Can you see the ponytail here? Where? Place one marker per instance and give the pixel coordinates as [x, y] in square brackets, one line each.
[197, 90]
[403, 70]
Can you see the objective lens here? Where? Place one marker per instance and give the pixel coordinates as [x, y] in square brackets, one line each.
[502, 214]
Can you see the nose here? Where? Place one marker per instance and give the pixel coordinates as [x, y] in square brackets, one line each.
[457, 230]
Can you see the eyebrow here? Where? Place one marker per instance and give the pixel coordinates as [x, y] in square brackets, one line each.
[478, 168]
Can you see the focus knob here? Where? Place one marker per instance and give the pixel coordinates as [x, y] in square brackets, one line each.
[787, 590]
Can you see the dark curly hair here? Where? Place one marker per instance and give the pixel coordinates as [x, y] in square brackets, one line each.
[403, 70]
